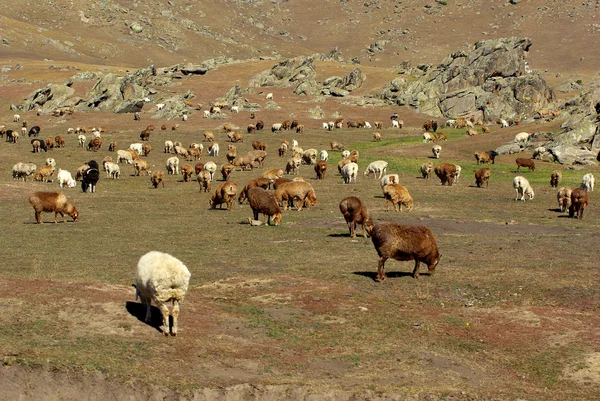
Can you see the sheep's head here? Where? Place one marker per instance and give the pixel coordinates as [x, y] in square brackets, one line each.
[72, 211]
[276, 218]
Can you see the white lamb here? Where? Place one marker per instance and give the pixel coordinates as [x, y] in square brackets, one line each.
[269, 96]
[211, 167]
[587, 182]
[521, 137]
[323, 155]
[213, 150]
[350, 172]
[163, 279]
[389, 179]
[235, 109]
[395, 124]
[16, 118]
[169, 146]
[206, 114]
[112, 170]
[368, 124]
[64, 177]
[436, 150]
[378, 168]
[137, 147]
[457, 175]
[503, 123]
[81, 140]
[172, 165]
[521, 185]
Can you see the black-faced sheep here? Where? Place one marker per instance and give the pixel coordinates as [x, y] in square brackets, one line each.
[90, 177]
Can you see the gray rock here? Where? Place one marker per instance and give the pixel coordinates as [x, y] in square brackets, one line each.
[338, 92]
[565, 154]
[136, 27]
[193, 69]
[130, 106]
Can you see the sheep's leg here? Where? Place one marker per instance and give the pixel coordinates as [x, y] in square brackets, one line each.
[55, 216]
[352, 229]
[175, 317]
[148, 303]
[38, 217]
[416, 270]
[381, 269]
[164, 309]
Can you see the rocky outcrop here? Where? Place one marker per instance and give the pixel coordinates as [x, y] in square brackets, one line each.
[49, 98]
[486, 80]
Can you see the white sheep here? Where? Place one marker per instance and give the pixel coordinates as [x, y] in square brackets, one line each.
[427, 137]
[235, 109]
[276, 127]
[350, 172]
[269, 96]
[345, 154]
[211, 167]
[457, 175]
[172, 165]
[538, 152]
[378, 167]
[294, 144]
[163, 279]
[325, 126]
[368, 124]
[169, 146]
[451, 123]
[389, 179]
[23, 170]
[160, 106]
[330, 125]
[503, 123]
[137, 147]
[23, 131]
[395, 124]
[71, 130]
[96, 133]
[184, 117]
[436, 150]
[81, 140]
[587, 182]
[206, 114]
[112, 170]
[521, 185]
[50, 162]
[521, 137]
[213, 150]
[16, 118]
[124, 156]
[64, 177]
[323, 155]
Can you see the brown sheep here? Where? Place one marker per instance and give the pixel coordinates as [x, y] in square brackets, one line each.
[288, 193]
[485, 129]
[244, 162]
[260, 125]
[579, 201]
[186, 172]
[555, 178]
[95, 144]
[398, 196]
[209, 136]
[293, 166]
[439, 136]
[225, 193]
[193, 154]
[150, 128]
[426, 170]
[320, 169]
[472, 132]
[145, 135]
[295, 124]
[251, 129]
[563, 196]
[402, 243]
[227, 128]
[158, 177]
[257, 182]
[446, 172]
[257, 145]
[482, 176]
[198, 167]
[59, 141]
[258, 156]
[134, 154]
[482, 157]
[273, 174]
[231, 153]
[355, 212]
[146, 148]
[226, 170]
[163, 127]
[280, 181]
[112, 147]
[337, 146]
[141, 166]
[353, 156]
[52, 202]
[203, 178]
[300, 129]
[235, 137]
[286, 125]
[262, 201]
[523, 162]
[282, 151]
[49, 142]
[44, 173]
[377, 137]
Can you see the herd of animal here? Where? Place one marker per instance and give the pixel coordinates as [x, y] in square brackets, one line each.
[164, 280]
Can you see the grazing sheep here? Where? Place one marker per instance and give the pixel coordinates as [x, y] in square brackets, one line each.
[293, 165]
[206, 114]
[226, 170]
[555, 178]
[244, 162]
[282, 151]
[482, 157]
[235, 109]
[12, 136]
[172, 165]
[440, 136]
[587, 182]
[320, 169]
[402, 243]
[259, 125]
[472, 132]
[209, 136]
[377, 168]
[64, 177]
[436, 150]
[389, 179]
[211, 167]
[563, 196]
[276, 127]
[521, 137]
[325, 125]
[398, 196]
[16, 118]
[522, 187]
[482, 176]
[337, 146]
[258, 145]
[355, 212]
[137, 147]
[323, 155]
[258, 156]
[225, 193]
[273, 174]
[256, 182]
[288, 193]
[231, 153]
[112, 170]
[23, 170]
[579, 201]
[427, 137]
[52, 202]
[81, 140]
[187, 171]
[523, 162]
[262, 201]
[269, 96]
[538, 152]
[446, 172]
[90, 177]
[203, 178]
[146, 148]
[377, 137]
[310, 156]
[426, 170]
[163, 279]
[213, 150]
[124, 157]
[349, 173]
[395, 124]
[44, 173]
[112, 147]
[35, 144]
[457, 175]
[59, 141]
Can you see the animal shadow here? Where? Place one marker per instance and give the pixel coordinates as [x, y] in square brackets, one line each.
[138, 310]
[394, 274]
[339, 235]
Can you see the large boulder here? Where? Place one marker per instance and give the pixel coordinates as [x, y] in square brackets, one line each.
[291, 72]
[193, 69]
[48, 98]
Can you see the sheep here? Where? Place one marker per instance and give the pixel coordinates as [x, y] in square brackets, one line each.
[310, 156]
[160, 106]
[293, 166]
[353, 156]
[402, 243]
[50, 162]
[261, 182]
[523, 162]
[44, 173]
[563, 196]
[80, 170]
[259, 125]
[330, 125]
[23, 170]
[349, 173]
[376, 168]
[377, 137]
[320, 169]
[457, 175]
[81, 140]
[269, 96]
[342, 163]
[521, 137]
[287, 194]
[209, 136]
[203, 178]
[276, 127]
[325, 125]
[137, 147]
[436, 150]
[213, 150]
[398, 196]
[235, 109]
[439, 136]
[485, 129]
[257, 145]
[389, 179]
[395, 124]
[555, 178]
[146, 149]
[211, 167]
[141, 166]
[163, 279]
[90, 177]
[158, 177]
[336, 146]
[257, 156]
[112, 170]
[446, 172]
[282, 151]
[64, 177]
[538, 152]
[522, 187]
[225, 193]
[299, 129]
[355, 212]
[199, 167]
[186, 171]
[368, 124]
[35, 144]
[262, 201]
[16, 118]
[145, 135]
[482, 176]
[273, 175]
[579, 201]
[169, 146]
[244, 162]
[482, 157]
[587, 182]
[206, 114]
[23, 131]
[427, 137]
[235, 136]
[323, 155]
[50, 142]
[472, 132]
[124, 157]
[52, 202]
[12, 136]
[95, 144]
[172, 165]
[226, 170]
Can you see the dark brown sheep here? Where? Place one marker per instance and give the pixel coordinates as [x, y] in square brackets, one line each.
[59, 141]
[158, 178]
[523, 162]
[355, 212]
[226, 170]
[482, 176]
[52, 202]
[579, 201]
[257, 182]
[401, 242]
[262, 201]
[446, 172]
[555, 178]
